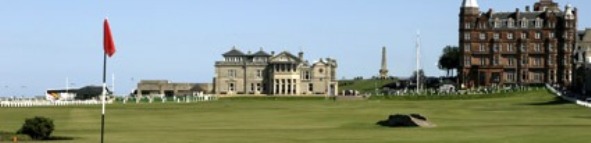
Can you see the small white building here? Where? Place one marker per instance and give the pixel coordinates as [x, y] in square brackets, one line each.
[60, 94]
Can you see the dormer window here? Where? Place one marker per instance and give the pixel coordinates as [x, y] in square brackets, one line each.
[496, 23]
[510, 23]
[524, 23]
[539, 23]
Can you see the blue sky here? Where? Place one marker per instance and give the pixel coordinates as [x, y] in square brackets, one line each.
[45, 42]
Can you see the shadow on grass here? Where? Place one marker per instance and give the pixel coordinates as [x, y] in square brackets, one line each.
[556, 101]
[58, 138]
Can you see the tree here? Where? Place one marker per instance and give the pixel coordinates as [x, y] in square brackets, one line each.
[450, 59]
[422, 77]
[38, 127]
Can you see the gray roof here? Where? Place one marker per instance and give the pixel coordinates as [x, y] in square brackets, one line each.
[261, 53]
[527, 15]
[233, 52]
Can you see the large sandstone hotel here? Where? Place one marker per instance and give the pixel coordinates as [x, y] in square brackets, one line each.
[270, 74]
[521, 47]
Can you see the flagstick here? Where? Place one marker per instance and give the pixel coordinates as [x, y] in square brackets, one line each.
[103, 97]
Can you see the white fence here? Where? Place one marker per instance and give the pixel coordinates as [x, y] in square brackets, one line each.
[561, 95]
[163, 99]
[33, 103]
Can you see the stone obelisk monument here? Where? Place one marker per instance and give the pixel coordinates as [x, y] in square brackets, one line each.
[384, 69]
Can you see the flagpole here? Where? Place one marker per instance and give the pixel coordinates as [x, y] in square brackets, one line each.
[109, 47]
[103, 96]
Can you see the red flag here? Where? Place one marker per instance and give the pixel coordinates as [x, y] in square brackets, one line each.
[108, 42]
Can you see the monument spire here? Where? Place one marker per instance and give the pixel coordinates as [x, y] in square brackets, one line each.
[384, 69]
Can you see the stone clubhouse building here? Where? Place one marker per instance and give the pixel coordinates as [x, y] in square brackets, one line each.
[261, 73]
[520, 47]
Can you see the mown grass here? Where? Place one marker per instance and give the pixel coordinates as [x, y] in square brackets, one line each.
[534, 116]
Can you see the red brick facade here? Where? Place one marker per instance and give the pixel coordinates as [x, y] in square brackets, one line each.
[517, 48]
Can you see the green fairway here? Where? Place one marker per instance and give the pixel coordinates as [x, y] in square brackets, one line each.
[527, 117]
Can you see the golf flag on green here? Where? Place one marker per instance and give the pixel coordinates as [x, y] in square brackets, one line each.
[108, 42]
[109, 47]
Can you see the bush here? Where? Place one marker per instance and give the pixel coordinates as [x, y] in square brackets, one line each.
[38, 128]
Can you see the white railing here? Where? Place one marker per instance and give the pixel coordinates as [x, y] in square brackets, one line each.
[163, 99]
[567, 98]
[49, 103]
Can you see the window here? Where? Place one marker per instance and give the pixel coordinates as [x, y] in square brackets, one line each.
[511, 61]
[510, 36]
[550, 47]
[524, 35]
[551, 35]
[510, 47]
[307, 75]
[231, 87]
[467, 25]
[524, 23]
[467, 61]
[550, 60]
[467, 36]
[259, 88]
[523, 47]
[524, 60]
[482, 48]
[539, 23]
[538, 35]
[496, 36]
[311, 87]
[537, 47]
[538, 76]
[495, 60]
[483, 61]
[232, 73]
[537, 61]
[495, 47]
[510, 76]
[467, 47]
[482, 36]
[497, 23]
[510, 23]
[252, 87]
[259, 73]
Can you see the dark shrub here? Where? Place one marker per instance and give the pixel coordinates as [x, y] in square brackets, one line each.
[38, 128]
